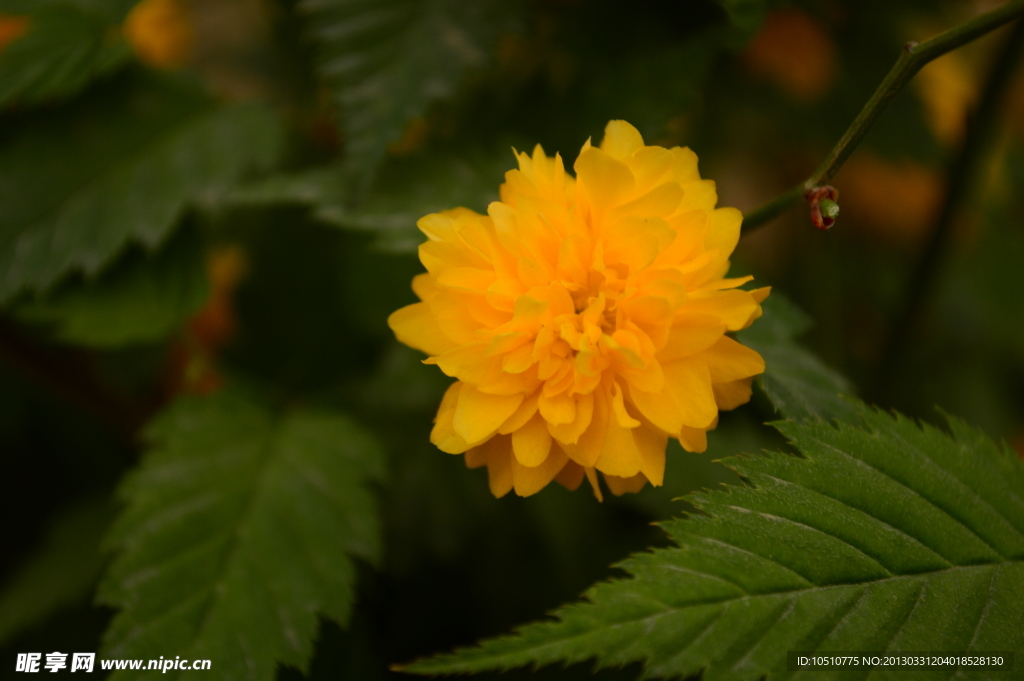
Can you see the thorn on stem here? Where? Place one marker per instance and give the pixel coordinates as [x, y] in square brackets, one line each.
[824, 206]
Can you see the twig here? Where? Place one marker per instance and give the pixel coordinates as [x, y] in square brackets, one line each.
[913, 58]
[980, 128]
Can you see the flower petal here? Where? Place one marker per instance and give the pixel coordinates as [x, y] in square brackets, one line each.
[621, 139]
[729, 361]
[478, 415]
[529, 481]
[619, 486]
[532, 443]
[416, 326]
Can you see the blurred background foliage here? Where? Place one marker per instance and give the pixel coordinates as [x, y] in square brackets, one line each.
[209, 195]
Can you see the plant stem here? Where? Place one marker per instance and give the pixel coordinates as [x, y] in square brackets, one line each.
[980, 128]
[912, 59]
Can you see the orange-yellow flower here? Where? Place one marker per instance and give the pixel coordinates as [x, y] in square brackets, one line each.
[585, 319]
[160, 32]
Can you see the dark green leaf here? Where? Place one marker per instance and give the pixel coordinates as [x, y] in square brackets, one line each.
[798, 383]
[407, 190]
[63, 50]
[241, 529]
[143, 297]
[61, 573]
[888, 537]
[387, 61]
[78, 185]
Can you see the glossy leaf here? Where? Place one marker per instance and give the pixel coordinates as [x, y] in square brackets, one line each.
[884, 537]
[797, 382]
[240, 530]
[80, 184]
[144, 297]
[407, 190]
[387, 61]
[64, 48]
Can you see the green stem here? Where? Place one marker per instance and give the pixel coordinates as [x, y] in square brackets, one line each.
[912, 59]
[924, 278]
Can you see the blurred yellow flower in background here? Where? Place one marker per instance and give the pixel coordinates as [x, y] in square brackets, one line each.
[160, 32]
[585, 319]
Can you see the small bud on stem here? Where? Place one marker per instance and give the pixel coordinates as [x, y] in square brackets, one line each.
[824, 209]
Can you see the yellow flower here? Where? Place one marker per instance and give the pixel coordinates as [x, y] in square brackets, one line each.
[586, 319]
[160, 32]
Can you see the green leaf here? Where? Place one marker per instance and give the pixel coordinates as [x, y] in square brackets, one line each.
[888, 537]
[64, 49]
[61, 573]
[797, 382]
[241, 528]
[121, 166]
[406, 190]
[142, 298]
[387, 61]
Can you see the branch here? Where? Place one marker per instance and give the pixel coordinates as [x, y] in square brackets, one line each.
[981, 125]
[913, 58]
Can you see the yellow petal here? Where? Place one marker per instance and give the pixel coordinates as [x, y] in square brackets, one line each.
[606, 180]
[732, 394]
[570, 476]
[569, 433]
[693, 439]
[478, 414]
[661, 201]
[684, 164]
[588, 446]
[622, 417]
[729, 361]
[636, 241]
[443, 434]
[524, 413]
[651, 443]
[686, 399]
[619, 486]
[499, 465]
[621, 139]
[734, 307]
[527, 481]
[558, 409]
[619, 453]
[692, 334]
[477, 456]
[532, 442]
[724, 230]
[416, 326]
[689, 383]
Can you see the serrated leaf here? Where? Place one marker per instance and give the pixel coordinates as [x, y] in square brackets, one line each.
[142, 298]
[797, 382]
[387, 61]
[61, 573]
[64, 48]
[406, 190]
[117, 167]
[241, 528]
[885, 537]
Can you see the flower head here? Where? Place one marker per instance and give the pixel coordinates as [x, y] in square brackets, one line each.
[584, 319]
